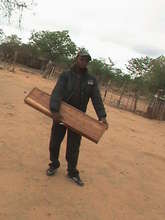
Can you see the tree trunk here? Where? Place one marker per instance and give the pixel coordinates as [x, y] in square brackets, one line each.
[14, 61]
[122, 93]
[136, 100]
[106, 89]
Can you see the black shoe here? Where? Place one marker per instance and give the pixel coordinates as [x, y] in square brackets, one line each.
[76, 179]
[51, 170]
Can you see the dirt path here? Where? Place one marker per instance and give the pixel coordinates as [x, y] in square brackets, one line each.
[123, 174]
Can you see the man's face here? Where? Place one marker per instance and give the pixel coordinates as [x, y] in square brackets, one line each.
[82, 61]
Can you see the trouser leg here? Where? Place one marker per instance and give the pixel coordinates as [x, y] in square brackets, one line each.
[72, 151]
[57, 135]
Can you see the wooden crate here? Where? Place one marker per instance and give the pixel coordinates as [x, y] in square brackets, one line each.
[72, 118]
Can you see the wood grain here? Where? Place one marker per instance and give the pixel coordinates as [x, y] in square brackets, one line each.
[71, 117]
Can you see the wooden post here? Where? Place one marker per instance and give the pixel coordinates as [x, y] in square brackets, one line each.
[14, 61]
[122, 93]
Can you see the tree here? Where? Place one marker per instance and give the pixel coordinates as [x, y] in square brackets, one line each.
[10, 45]
[125, 79]
[54, 45]
[2, 35]
[102, 70]
[10, 7]
[156, 77]
[13, 40]
[118, 77]
[138, 67]
[1, 40]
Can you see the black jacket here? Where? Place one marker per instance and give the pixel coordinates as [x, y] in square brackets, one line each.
[66, 86]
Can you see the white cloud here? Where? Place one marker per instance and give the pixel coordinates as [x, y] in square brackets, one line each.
[120, 29]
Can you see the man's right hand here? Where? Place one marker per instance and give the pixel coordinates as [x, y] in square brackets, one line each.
[103, 120]
[57, 117]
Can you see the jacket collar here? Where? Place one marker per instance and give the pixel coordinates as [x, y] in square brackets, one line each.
[75, 70]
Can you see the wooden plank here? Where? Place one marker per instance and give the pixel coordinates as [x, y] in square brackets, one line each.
[71, 117]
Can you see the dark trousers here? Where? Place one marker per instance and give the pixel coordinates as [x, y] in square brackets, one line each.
[72, 150]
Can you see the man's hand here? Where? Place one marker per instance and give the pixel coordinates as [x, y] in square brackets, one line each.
[57, 117]
[103, 120]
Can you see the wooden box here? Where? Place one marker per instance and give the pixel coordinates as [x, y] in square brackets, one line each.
[71, 117]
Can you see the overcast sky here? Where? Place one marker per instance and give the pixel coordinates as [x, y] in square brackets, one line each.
[119, 29]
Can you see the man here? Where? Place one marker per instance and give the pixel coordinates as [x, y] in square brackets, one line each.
[75, 87]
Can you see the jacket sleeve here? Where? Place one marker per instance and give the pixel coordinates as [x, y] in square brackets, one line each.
[97, 101]
[58, 93]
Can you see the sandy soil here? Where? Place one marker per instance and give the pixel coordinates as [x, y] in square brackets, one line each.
[124, 174]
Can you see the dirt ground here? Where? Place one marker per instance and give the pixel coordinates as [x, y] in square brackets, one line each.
[124, 174]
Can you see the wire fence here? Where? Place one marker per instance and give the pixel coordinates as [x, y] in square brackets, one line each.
[126, 102]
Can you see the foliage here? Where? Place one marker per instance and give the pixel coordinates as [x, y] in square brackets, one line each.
[156, 78]
[2, 35]
[138, 67]
[145, 75]
[55, 45]
[9, 8]
[101, 70]
[9, 46]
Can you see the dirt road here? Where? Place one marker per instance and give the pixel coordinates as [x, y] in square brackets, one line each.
[124, 174]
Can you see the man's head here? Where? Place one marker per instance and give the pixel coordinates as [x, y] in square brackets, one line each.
[83, 59]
